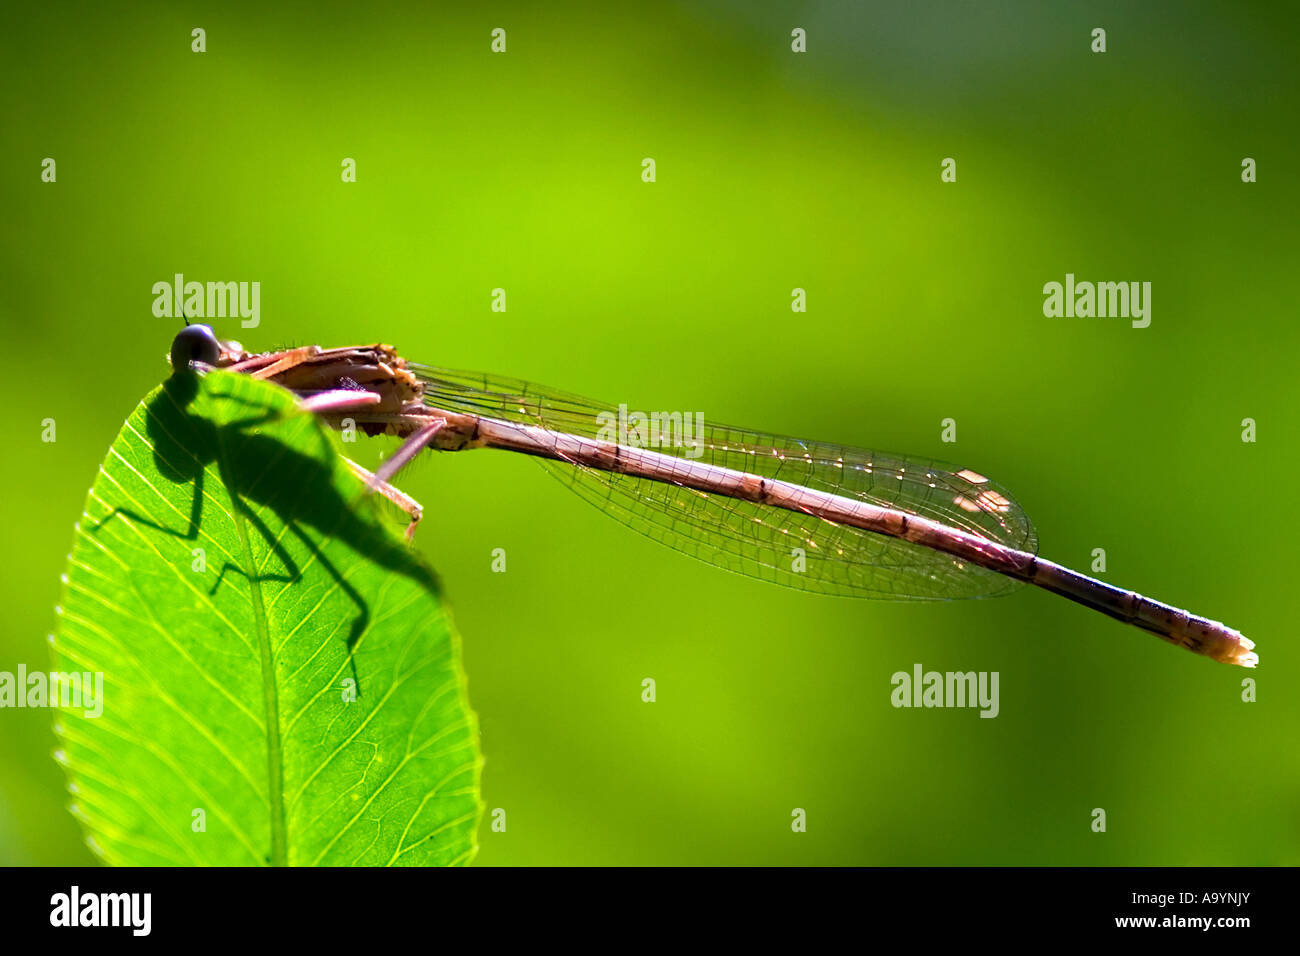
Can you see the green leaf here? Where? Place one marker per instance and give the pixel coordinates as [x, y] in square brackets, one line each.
[227, 670]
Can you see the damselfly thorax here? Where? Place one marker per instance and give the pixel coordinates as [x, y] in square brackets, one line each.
[806, 514]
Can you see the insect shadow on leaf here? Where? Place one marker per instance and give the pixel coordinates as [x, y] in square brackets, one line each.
[263, 471]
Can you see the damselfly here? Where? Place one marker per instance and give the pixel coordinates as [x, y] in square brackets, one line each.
[809, 515]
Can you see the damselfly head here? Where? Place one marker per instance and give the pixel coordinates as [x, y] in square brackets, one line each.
[197, 346]
[194, 343]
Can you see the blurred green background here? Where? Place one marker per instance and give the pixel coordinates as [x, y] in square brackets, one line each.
[775, 170]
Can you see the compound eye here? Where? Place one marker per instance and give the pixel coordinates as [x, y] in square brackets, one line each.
[194, 343]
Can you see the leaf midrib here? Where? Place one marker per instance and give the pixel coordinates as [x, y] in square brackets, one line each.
[270, 696]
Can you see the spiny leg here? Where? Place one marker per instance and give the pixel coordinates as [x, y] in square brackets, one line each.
[282, 362]
[395, 495]
[338, 400]
[417, 440]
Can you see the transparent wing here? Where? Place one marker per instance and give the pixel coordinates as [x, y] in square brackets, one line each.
[786, 547]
